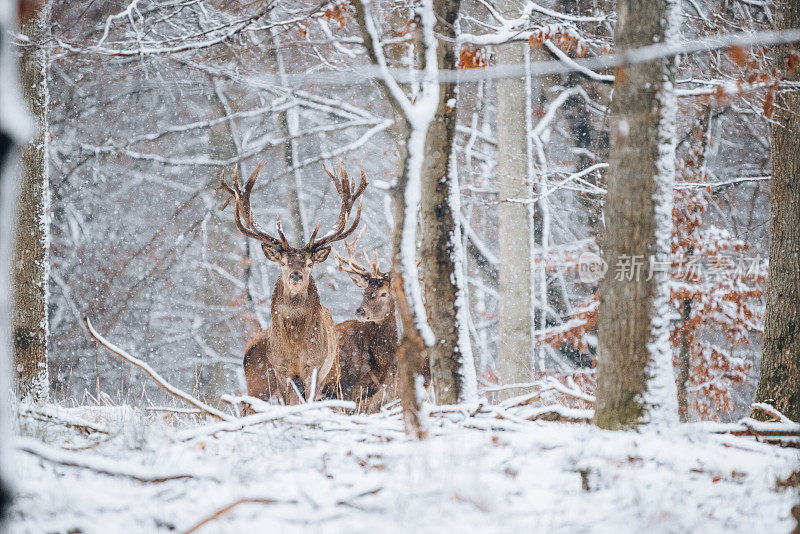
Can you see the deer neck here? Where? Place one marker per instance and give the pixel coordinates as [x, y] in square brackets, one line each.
[385, 330]
[388, 327]
[295, 316]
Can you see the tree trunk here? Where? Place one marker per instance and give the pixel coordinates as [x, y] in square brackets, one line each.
[215, 374]
[685, 399]
[7, 203]
[592, 143]
[452, 368]
[514, 319]
[635, 382]
[684, 365]
[779, 381]
[286, 122]
[411, 351]
[30, 267]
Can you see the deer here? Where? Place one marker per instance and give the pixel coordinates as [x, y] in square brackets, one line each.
[367, 344]
[298, 353]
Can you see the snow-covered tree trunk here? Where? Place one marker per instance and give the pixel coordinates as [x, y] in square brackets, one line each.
[514, 319]
[452, 366]
[7, 203]
[30, 264]
[635, 382]
[417, 115]
[684, 370]
[14, 128]
[779, 381]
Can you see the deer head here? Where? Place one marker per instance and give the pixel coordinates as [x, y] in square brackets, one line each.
[295, 263]
[378, 299]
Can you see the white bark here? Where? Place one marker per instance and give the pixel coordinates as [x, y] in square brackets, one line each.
[515, 324]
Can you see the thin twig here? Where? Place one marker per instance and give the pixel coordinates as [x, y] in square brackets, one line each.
[225, 509]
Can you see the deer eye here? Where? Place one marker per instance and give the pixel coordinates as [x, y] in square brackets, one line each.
[384, 294]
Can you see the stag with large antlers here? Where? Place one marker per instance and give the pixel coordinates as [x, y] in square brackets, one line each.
[368, 343]
[297, 354]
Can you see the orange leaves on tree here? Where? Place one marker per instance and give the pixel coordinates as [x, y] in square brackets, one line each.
[337, 12]
[620, 75]
[720, 96]
[566, 37]
[769, 100]
[724, 312]
[738, 54]
[472, 58]
[792, 61]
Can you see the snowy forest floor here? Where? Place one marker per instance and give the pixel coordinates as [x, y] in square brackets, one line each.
[317, 470]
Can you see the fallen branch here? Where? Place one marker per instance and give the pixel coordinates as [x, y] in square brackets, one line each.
[779, 433]
[104, 466]
[154, 375]
[776, 433]
[47, 416]
[225, 509]
[550, 385]
[770, 410]
[274, 414]
[560, 414]
[172, 410]
[341, 501]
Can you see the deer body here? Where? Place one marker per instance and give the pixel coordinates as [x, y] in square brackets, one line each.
[292, 359]
[367, 359]
[300, 339]
[367, 344]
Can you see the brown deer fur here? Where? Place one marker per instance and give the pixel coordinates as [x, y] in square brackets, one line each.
[368, 343]
[282, 360]
[301, 327]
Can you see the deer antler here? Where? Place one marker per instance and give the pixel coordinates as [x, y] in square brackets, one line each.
[351, 264]
[243, 213]
[375, 264]
[349, 196]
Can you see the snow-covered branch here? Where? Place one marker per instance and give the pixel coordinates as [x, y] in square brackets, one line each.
[105, 466]
[154, 375]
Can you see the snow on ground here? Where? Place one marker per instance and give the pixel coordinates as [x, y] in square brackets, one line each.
[320, 471]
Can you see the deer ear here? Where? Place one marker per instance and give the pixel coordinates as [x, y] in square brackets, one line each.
[271, 253]
[361, 281]
[318, 256]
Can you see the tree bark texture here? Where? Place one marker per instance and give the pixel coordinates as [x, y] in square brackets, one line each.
[779, 381]
[514, 317]
[214, 374]
[634, 362]
[411, 350]
[442, 263]
[285, 121]
[30, 263]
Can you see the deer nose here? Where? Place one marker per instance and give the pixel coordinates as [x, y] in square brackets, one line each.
[295, 276]
[360, 312]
